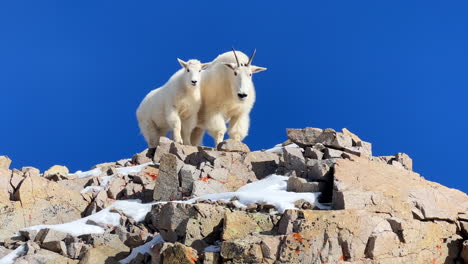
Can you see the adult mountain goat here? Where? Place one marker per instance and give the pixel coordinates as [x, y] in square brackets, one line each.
[173, 106]
[228, 95]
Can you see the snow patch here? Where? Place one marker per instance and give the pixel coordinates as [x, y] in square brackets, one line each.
[131, 208]
[278, 148]
[91, 173]
[271, 190]
[10, 258]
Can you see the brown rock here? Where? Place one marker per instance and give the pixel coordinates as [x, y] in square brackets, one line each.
[239, 224]
[40, 201]
[179, 254]
[398, 192]
[231, 145]
[182, 151]
[464, 253]
[405, 160]
[57, 172]
[143, 157]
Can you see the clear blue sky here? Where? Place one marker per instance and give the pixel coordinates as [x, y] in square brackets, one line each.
[72, 74]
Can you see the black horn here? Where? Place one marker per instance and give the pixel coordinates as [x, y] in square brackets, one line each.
[252, 56]
[235, 55]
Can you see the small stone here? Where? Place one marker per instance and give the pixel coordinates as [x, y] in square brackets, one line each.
[304, 137]
[294, 159]
[313, 153]
[56, 173]
[115, 187]
[231, 145]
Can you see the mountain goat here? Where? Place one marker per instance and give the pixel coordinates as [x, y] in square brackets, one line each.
[173, 106]
[228, 95]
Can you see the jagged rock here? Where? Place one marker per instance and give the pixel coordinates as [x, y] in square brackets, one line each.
[30, 171]
[5, 162]
[319, 170]
[115, 187]
[143, 157]
[330, 153]
[251, 249]
[182, 151]
[162, 148]
[167, 183]
[239, 224]
[331, 138]
[57, 172]
[294, 160]
[106, 248]
[219, 174]
[262, 163]
[179, 254]
[197, 225]
[286, 224]
[52, 240]
[313, 153]
[304, 137]
[405, 160]
[211, 258]
[188, 174]
[205, 185]
[232, 145]
[464, 252]
[40, 201]
[398, 192]
[296, 184]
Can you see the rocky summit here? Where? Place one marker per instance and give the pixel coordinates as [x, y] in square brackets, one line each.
[319, 197]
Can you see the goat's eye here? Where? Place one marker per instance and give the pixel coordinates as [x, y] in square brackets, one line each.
[235, 73]
[199, 71]
[250, 74]
[188, 70]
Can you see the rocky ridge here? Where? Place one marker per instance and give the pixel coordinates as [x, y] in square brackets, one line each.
[369, 209]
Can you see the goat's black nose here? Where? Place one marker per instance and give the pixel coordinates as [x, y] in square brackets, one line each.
[194, 82]
[241, 96]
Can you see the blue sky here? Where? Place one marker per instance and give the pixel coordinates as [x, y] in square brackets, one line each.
[72, 74]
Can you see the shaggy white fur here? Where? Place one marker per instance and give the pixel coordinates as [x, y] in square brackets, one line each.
[173, 106]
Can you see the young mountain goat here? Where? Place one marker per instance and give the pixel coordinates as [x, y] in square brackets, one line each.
[228, 95]
[173, 106]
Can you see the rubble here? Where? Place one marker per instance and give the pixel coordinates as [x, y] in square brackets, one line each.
[348, 207]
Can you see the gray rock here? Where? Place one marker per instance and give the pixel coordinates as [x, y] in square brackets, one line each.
[143, 157]
[319, 170]
[286, 224]
[296, 184]
[304, 137]
[262, 163]
[188, 174]
[231, 145]
[330, 153]
[294, 159]
[167, 184]
[163, 148]
[115, 187]
[182, 151]
[219, 174]
[313, 153]
[206, 186]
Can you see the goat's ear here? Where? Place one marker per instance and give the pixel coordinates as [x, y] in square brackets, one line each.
[256, 69]
[205, 65]
[182, 63]
[230, 66]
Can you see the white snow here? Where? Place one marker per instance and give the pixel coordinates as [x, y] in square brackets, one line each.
[143, 249]
[271, 190]
[213, 248]
[106, 179]
[132, 169]
[94, 172]
[278, 148]
[132, 208]
[10, 258]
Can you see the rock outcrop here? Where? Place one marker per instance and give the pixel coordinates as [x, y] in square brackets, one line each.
[370, 209]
